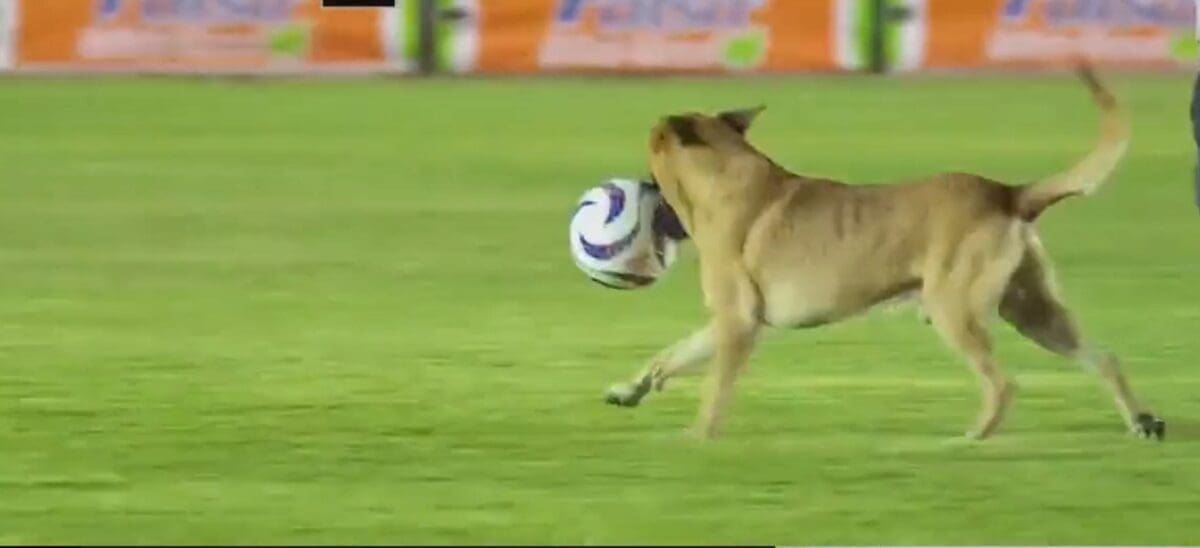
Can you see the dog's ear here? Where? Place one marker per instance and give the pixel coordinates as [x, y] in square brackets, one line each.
[685, 128]
[741, 119]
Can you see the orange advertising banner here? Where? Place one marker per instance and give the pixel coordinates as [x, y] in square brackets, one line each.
[563, 36]
[653, 35]
[198, 35]
[1049, 33]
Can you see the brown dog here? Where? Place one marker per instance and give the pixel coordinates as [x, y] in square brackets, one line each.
[783, 250]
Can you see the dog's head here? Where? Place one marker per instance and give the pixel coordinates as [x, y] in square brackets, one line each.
[724, 131]
[687, 151]
[695, 144]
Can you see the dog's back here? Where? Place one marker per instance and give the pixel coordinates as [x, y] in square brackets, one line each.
[832, 249]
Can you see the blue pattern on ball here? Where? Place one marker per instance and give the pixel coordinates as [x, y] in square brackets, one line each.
[604, 252]
[616, 200]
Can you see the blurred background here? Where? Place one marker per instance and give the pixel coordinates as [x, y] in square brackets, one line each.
[274, 273]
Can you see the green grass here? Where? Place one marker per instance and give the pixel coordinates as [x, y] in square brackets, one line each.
[344, 312]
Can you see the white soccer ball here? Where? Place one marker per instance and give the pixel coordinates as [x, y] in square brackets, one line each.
[613, 236]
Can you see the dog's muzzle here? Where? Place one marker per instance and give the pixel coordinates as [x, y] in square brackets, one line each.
[666, 221]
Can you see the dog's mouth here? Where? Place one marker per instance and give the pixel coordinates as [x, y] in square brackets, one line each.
[666, 222]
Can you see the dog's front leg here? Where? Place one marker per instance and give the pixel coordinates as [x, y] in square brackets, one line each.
[735, 342]
[682, 358]
[733, 301]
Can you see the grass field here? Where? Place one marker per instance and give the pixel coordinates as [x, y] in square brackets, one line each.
[317, 312]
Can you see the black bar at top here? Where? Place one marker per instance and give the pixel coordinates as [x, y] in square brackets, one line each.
[358, 3]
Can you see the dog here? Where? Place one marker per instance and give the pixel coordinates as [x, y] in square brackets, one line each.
[782, 250]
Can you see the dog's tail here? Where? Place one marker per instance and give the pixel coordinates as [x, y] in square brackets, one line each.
[1087, 175]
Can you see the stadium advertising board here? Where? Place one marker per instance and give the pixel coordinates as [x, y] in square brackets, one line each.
[652, 35]
[1049, 33]
[457, 38]
[548, 36]
[200, 35]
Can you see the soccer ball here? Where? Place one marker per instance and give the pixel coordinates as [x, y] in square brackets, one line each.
[614, 238]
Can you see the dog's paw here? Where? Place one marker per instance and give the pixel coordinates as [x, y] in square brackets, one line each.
[627, 395]
[1147, 425]
[620, 395]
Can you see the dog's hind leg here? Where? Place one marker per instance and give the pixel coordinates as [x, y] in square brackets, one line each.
[688, 356]
[965, 331]
[1032, 306]
[960, 303]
